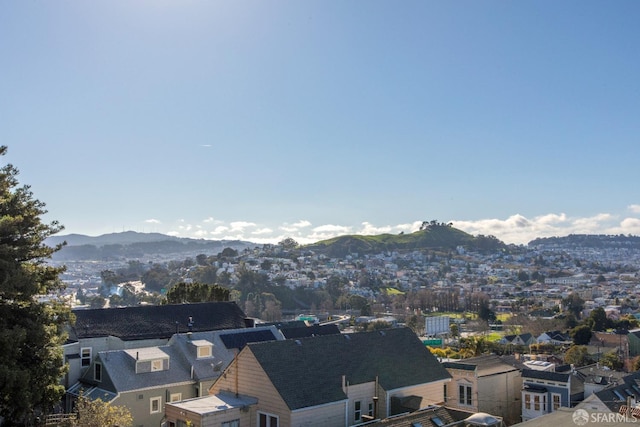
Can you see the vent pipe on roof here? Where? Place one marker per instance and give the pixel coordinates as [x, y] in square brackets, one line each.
[375, 400]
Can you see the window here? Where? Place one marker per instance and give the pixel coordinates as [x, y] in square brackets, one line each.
[156, 365]
[267, 420]
[464, 395]
[556, 401]
[85, 356]
[97, 372]
[155, 404]
[527, 401]
[234, 423]
[204, 351]
[175, 397]
[536, 403]
[370, 411]
[445, 393]
[357, 411]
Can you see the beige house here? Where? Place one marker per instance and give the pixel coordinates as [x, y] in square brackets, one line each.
[332, 380]
[485, 384]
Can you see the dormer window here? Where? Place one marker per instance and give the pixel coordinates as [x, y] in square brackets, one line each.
[151, 359]
[204, 348]
[204, 351]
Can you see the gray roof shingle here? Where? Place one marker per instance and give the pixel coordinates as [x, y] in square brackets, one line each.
[308, 371]
[162, 321]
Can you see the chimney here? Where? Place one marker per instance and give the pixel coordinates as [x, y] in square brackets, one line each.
[375, 407]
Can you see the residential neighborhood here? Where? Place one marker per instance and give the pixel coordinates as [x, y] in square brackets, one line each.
[343, 363]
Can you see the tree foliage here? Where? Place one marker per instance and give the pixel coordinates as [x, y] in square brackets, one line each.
[197, 292]
[98, 413]
[574, 304]
[577, 355]
[612, 361]
[31, 332]
[581, 335]
[598, 320]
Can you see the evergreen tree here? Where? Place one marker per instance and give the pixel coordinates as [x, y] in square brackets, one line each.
[31, 331]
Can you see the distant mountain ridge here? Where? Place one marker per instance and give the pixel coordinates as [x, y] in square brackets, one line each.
[123, 238]
[588, 241]
[131, 245]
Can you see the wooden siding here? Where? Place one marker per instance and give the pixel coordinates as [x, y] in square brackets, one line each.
[500, 395]
[320, 416]
[431, 393]
[362, 393]
[141, 407]
[215, 419]
[252, 381]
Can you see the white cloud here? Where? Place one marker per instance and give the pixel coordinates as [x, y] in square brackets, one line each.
[262, 231]
[328, 231]
[330, 228]
[627, 226]
[521, 230]
[201, 233]
[153, 221]
[241, 225]
[634, 208]
[369, 229]
[291, 228]
[516, 228]
[219, 230]
[408, 228]
[552, 219]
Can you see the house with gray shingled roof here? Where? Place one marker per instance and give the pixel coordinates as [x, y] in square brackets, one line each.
[105, 329]
[622, 396]
[333, 380]
[146, 379]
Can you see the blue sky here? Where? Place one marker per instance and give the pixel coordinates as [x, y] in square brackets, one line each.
[262, 119]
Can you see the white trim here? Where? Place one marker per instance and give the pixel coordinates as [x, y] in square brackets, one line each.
[267, 414]
[306, 408]
[154, 399]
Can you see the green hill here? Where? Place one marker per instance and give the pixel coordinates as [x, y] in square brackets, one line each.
[440, 236]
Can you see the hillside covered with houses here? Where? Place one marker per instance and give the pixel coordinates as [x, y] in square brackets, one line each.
[516, 333]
